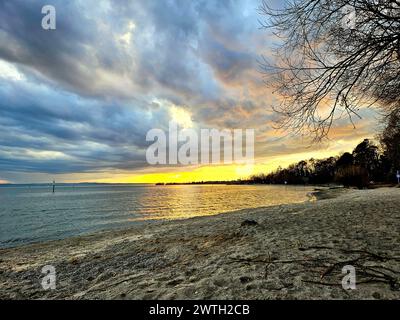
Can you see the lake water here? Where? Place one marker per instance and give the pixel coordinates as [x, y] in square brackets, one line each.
[33, 213]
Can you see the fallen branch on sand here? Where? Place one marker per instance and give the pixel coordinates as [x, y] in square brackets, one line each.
[369, 274]
[359, 251]
[250, 261]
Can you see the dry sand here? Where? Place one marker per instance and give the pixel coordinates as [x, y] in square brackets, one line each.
[293, 252]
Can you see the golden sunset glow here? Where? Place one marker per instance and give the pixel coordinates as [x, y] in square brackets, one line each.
[131, 78]
[225, 172]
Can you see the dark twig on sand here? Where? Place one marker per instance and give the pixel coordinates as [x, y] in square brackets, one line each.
[369, 274]
[356, 251]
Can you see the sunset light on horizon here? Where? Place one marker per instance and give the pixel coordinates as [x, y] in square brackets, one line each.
[87, 108]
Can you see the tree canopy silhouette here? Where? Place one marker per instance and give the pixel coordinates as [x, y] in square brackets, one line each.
[367, 163]
[390, 140]
[334, 58]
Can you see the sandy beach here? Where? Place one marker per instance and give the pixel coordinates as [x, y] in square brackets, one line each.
[283, 252]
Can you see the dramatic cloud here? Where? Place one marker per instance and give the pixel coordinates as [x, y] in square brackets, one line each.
[80, 99]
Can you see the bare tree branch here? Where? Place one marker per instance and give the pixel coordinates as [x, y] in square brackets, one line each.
[324, 67]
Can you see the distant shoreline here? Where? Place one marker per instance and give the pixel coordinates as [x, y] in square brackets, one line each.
[61, 184]
[244, 182]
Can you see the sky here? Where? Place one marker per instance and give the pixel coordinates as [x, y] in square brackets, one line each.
[77, 102]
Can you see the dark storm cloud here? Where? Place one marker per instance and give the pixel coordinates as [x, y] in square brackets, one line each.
[54, 55]
[81, 99]
[175, 45]
[87, 95]
[82, 134]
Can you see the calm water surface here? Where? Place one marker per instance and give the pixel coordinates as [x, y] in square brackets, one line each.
[33, 213]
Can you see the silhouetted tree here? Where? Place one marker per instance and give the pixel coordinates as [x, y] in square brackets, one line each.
[367, 162]
[353, 176]
[345, 160]
[366, 155]
[390, 141]
[324, 170]
[335, 57]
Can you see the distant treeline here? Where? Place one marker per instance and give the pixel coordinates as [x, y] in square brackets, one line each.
[205, 183]
[367, 163]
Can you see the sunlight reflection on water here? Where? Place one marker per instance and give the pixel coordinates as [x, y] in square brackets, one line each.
[32, 213]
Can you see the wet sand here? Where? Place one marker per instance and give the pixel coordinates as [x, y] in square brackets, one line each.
[283, 252]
